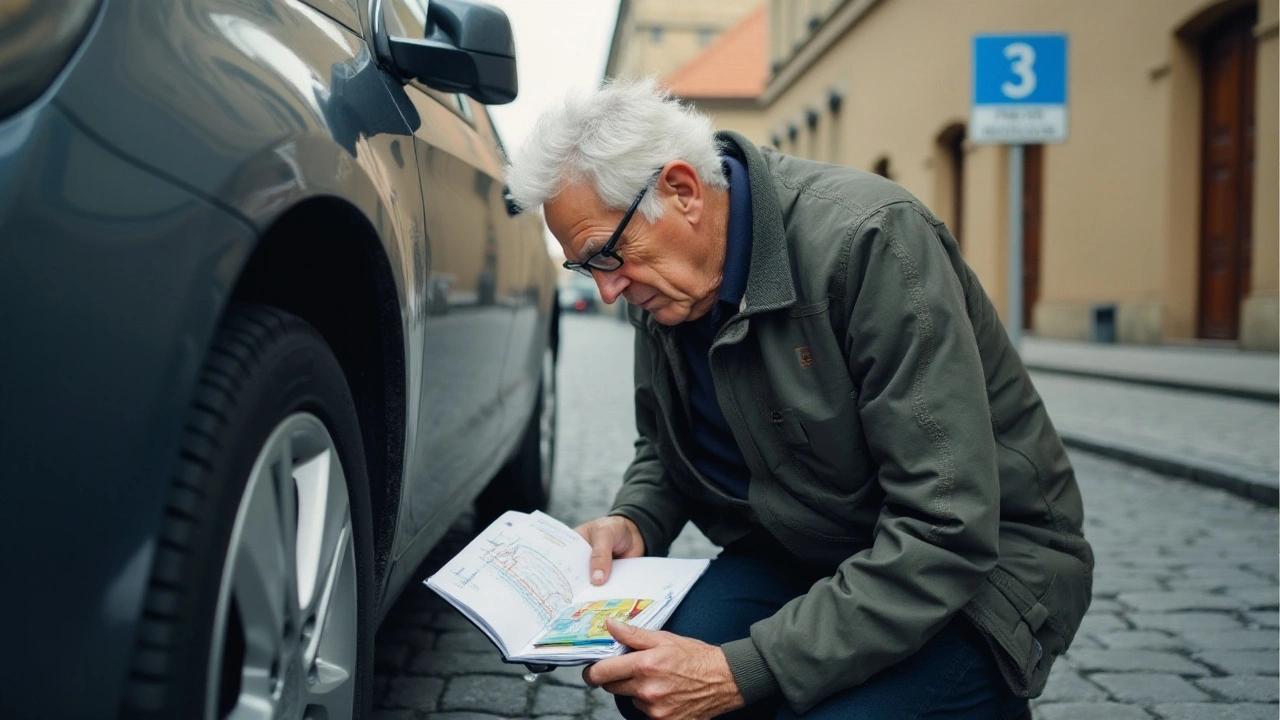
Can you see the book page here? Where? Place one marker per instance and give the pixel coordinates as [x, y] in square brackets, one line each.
[653, 578]
[517, 575]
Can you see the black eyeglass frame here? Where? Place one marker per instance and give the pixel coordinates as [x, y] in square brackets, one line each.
[586, 266]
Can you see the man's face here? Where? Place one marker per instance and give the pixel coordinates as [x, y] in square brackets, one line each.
[659, 270]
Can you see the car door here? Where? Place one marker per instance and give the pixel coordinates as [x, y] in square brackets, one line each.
[466, 326]
[526, 286]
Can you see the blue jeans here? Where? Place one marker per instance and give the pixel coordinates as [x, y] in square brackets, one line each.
[952, 676]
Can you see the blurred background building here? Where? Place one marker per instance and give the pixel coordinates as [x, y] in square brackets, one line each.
[1158, 219]
[712, 53]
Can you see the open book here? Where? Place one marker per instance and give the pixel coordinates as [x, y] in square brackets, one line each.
[524, 582]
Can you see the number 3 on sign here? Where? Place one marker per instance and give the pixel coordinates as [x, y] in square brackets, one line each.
[1023, 57]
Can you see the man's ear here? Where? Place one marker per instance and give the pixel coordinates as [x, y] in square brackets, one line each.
[680, 185]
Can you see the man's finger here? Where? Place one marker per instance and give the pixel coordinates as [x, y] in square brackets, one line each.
[626, 687]
[633, 637]
[601, 554]
[608, 671]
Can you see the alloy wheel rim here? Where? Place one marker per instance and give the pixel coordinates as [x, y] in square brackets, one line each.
[547, 420]
[285, 624]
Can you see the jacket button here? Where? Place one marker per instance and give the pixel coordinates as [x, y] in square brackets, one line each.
[776, 417]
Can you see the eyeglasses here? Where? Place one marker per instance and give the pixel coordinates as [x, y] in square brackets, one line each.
[606, 259]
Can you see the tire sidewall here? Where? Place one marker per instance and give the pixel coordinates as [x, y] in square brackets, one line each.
[295, 372]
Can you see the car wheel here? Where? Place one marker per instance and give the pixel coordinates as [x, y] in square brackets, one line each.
[260, 602]
[524, 483]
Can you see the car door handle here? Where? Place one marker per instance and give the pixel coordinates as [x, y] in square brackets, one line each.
[513, 207]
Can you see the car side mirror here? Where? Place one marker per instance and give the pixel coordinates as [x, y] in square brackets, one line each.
[468, 48]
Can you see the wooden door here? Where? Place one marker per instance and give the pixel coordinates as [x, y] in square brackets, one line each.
[1226, 183]
[952, 142]
[1032, 176]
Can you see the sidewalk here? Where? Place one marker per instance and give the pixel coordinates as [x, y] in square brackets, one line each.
[1205, 415]
[1254, 375]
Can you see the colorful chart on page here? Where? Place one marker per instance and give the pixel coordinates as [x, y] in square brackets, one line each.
[584, 624]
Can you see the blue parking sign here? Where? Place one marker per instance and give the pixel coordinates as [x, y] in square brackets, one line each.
[1019, 88]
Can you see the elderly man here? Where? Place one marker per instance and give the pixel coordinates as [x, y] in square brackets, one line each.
[825, 390]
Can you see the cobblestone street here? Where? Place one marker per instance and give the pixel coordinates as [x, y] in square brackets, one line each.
[1183, 624]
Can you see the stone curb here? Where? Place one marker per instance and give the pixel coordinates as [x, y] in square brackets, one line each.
[1246, 393]
[1244, 482]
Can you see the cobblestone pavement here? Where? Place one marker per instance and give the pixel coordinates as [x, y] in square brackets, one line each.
[1223, 430]
[1183, 624]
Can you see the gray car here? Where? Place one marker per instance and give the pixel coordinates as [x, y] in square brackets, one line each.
[270, 323]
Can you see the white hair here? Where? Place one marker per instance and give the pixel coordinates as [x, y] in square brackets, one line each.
[615, 138]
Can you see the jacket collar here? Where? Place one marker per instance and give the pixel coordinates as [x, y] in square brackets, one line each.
[769, 283]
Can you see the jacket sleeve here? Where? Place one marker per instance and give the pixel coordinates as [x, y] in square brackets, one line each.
[647, 496]
[913, 356]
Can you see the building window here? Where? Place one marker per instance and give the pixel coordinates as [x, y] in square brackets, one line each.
[811, 120]
[881, 168]
[655, 35]
[706, 35]
[835, 100]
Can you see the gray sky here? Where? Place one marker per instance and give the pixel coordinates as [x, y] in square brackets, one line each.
[560, 44]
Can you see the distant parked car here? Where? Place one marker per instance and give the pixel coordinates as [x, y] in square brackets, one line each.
[580, 294]
[271, 323]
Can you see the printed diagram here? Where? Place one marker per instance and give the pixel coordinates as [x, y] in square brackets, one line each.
[584, 624]
[534, 578]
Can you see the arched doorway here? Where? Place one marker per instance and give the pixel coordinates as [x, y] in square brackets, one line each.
[1228, 66]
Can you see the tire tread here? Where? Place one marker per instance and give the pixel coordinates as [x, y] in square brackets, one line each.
[240, 343]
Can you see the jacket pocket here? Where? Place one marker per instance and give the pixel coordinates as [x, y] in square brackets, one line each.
[824, 439]
[823, 485]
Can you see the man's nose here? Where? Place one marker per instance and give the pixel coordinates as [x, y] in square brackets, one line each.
[611, 285]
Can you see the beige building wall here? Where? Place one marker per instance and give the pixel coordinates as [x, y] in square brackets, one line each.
[796, 21]
[655, 37]
[1120, 197]
[741, 116]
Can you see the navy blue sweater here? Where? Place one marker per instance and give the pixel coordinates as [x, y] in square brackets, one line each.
[714, 451]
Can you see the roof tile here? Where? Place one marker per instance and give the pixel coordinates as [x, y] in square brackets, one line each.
[733, 66]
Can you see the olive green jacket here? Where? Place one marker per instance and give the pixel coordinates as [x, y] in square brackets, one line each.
[892, 433]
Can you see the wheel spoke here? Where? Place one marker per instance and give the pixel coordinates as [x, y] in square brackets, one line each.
[259, 585]
[331, 608]
[323, 512]
[252, 706]
[284, 470]
[334, 690]
[331, 655]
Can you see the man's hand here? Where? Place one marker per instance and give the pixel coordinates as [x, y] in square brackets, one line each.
[610, 537]
[669, 677]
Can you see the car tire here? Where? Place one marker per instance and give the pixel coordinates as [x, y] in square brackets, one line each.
[261, 590]
[524, 483]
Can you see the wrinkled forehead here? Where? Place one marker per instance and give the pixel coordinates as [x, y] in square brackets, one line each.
[575, 208]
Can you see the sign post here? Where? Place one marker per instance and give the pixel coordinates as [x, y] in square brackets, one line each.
[1019, 98]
